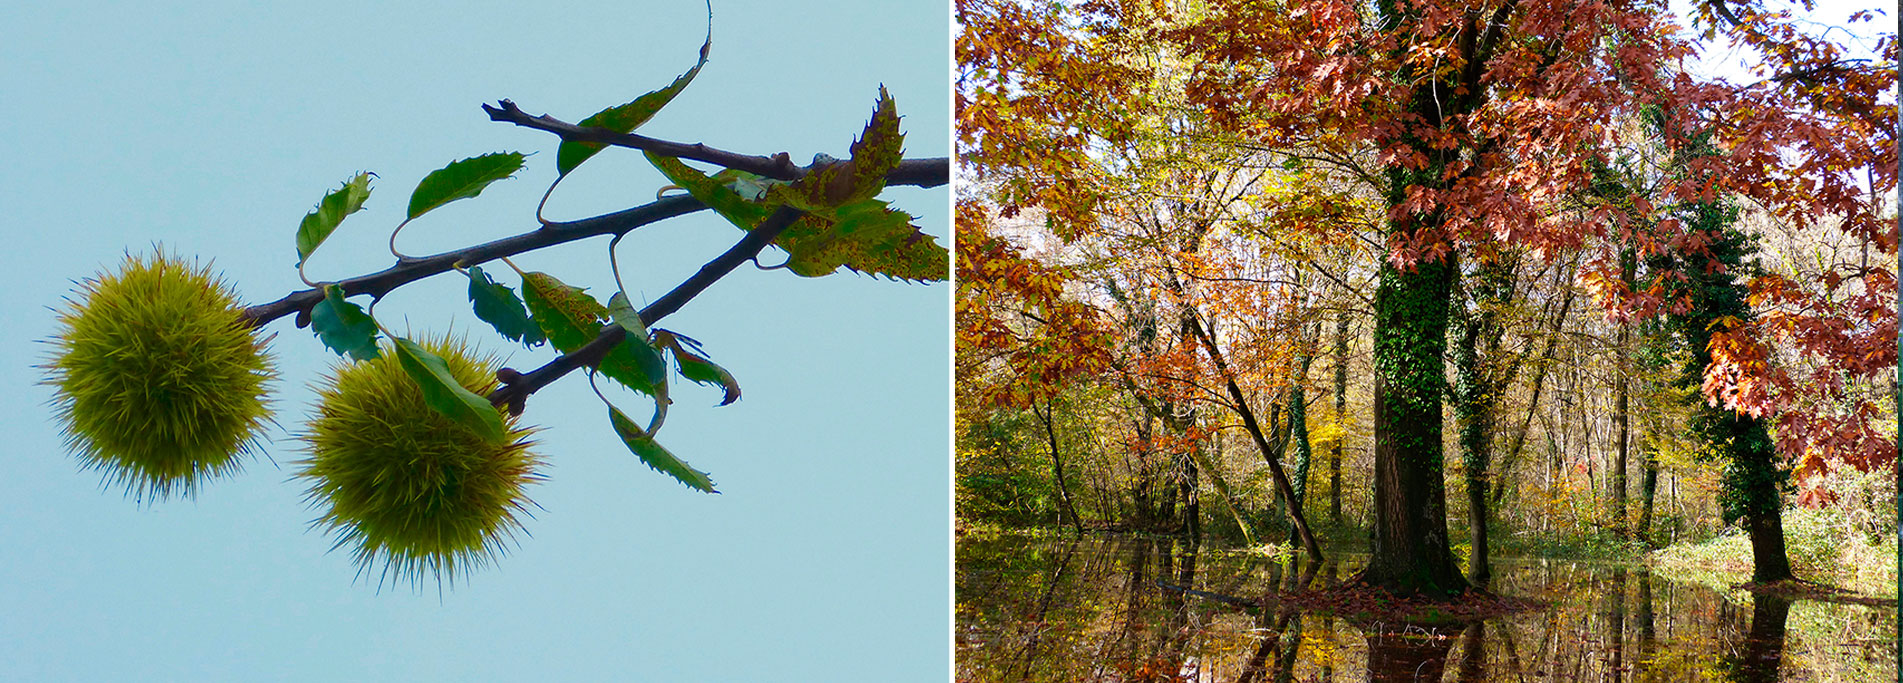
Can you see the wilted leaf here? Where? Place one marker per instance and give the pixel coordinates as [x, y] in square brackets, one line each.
[698, 368]
[717, 195]
[876, 152]
[331, 210]
[462, 179]
[343, 326]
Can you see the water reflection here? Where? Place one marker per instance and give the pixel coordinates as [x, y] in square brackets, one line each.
[1140, 610]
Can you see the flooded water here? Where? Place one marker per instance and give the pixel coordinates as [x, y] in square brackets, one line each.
[1108, 608]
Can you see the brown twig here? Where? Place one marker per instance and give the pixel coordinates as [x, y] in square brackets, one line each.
[778, 166]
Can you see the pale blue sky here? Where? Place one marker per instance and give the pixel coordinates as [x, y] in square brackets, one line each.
[214, 126]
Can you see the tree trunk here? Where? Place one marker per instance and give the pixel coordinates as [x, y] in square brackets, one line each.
[1410, 553]
[1752, 481]
[1648, 491]
[1298, 438]
[1270, 454]
[1057, 463]
[1621, 428]
[1479, 381]
[1187, 486]
[1341, 417]
[1621, 409]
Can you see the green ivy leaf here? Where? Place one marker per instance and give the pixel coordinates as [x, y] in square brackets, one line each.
[698, 368]
[343, 326]
[644, 447]
[444, 394]
[627, 117]
[497, 305]
[571, 319]
[330, 211]
[462, 180]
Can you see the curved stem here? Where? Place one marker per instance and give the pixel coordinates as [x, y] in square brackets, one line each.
[544, 203]
[400, 256]
[614, 266]
[307, 282]
[788, 262]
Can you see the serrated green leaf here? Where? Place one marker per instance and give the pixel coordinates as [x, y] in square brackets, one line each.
[497, 305]
[462, 179]
[343, 326]
[876, 152]
[330, 211]
[643, 446]
[567, 315]
[698, 368]
[570, 318]
[447, 396]
[627, 117]
[866, 236]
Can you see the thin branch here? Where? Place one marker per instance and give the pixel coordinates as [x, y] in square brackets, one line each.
[778, 166]
[918, 172]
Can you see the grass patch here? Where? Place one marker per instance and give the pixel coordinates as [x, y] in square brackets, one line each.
[1823, 545]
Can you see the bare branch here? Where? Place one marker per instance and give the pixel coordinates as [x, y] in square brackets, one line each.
[778, 166]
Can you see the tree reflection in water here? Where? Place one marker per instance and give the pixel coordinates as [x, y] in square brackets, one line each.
[1103, 608]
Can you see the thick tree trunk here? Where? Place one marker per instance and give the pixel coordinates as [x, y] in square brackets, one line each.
[1752, 480]
[1410, 553]
[1480, 378]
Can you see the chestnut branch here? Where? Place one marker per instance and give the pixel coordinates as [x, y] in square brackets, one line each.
[929, 172]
